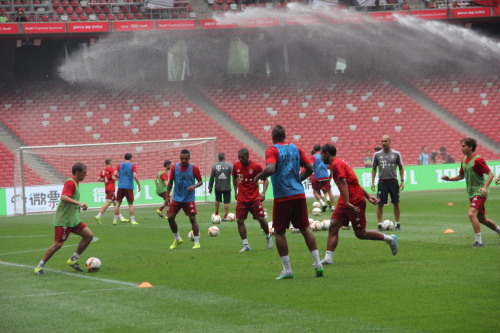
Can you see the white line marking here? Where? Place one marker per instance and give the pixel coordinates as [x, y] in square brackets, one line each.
[65, 292]
[44, 249]
[80, 275]
[24, 236]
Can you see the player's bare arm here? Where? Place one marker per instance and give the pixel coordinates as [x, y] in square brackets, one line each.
[453, 179]
[268, 171]
[192, 187]
[402, 178]
[309, 170]
[374, 172]
[484, 189]
[70, 200]
[497, 181]
[344, 192]
[370, 198]
[264, 190]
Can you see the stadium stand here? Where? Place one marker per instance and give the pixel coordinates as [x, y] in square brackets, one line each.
[69, 116]
[474, 100]
[352, 113]
[7, 173]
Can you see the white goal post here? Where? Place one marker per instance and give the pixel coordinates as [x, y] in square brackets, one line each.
[40, 171]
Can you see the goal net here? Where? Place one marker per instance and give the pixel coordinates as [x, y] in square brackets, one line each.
[40, 172]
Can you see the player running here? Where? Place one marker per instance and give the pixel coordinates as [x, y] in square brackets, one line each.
[351, 206]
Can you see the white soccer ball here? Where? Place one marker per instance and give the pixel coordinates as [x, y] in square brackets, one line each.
[387, 225]
[231, 217]
[294, 230]
[316, 204]
[325, 225]
[191, 236]
[311, 221]
[213, 231]
[271, 228]
[316, 211]
[316, 226]
[93, 264]
[215, 218]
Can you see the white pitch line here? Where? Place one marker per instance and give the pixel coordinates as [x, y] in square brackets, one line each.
[24, 236]
[79, 275]
[44, 249]
[66, 292]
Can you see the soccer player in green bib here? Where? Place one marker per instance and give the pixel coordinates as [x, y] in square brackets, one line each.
[161, 182]
[67, 220]
[473, 169]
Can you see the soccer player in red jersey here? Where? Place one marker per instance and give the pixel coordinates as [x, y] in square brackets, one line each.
[248, 198]
[161, 182]
[351, 205]
[473, 169]
[283, 162]
[185, 175]
[67, 220]
[106, 176]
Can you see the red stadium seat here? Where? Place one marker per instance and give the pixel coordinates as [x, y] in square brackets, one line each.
[120, 17]
[138, 16]
[111, 17]
[79, 10]
[73, 17]
[101, 17]
[129, 16]
[83, 17]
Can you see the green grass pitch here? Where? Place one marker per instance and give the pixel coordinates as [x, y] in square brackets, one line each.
[436, 283]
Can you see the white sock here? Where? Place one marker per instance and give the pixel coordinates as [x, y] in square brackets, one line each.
[245, 242]
[498, 230]
[177, 235]
[387, 238]
[329, 256]
[115, 219]
[478, 238]
[41, 264]
[197, 239]
[75, 256]
[132, 218]
[285, 260]
[321, 202]
[99, 215]
[332, 208]
[268, 236]
[121, 216]
[315, 255]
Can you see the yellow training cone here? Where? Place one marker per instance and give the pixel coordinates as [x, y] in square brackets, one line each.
[145, 285]
[449, 231]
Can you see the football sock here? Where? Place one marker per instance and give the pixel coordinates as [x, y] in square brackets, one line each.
[132, 218]
[121, 216]
[321, 202]
[177, 235]
[329, 256]
[478, 238]
[245, 242]
[315, 255]
[498, 230]
[75, 257]
[99, 215]
[268, 236]
[285, 260]
[197, 239]
[115, 219]
[41, 264]
[387, 238]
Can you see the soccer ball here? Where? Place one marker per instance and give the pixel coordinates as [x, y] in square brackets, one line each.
[231, 217]
[311, 221]
[325, 224]
[348, 227]
[93, 264]
[316, 226]
[387, 225]
[316, 211]
[213, 231]
[191, 236]
[294, 230]
[316, 204]
[271, 228]
[215, 218]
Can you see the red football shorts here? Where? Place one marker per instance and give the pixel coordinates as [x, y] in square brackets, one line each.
[62, 233]
[125, 193]
[322, 185]
[478, 202]
[294, 211]
[110, 195]
[189, 208]
[346, 215]
[254, 207]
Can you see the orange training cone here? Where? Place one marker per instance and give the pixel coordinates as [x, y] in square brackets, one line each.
[449, 231]
[450, 203]
[145, 285]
